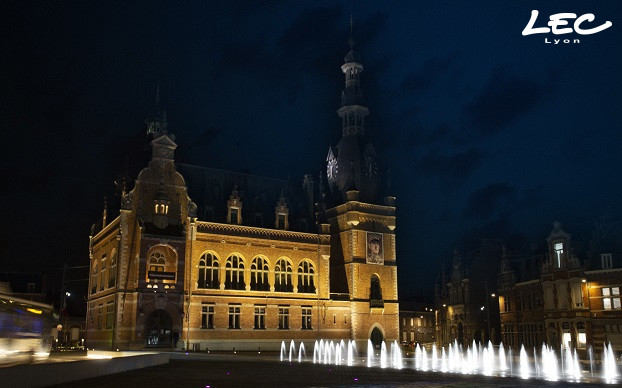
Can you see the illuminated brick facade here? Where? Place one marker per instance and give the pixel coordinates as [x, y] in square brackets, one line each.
[257, 261]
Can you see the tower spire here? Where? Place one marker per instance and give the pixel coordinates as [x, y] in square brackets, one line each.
[352, 111]
[351, 40]
[157, 125]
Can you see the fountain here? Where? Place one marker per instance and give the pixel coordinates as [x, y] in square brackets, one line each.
[351, 351]
[301, 351]
[475, 359]
[283, 350]
[370, 354]
[292, 350]
[609, 365]
[525, 372]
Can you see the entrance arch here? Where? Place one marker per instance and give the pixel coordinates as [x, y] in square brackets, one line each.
[159, 329]
[376, 337]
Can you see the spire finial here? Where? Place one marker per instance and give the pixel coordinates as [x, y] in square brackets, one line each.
[351, 40]
[157, 99]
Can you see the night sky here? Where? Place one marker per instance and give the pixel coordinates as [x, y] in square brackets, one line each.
[487, 133]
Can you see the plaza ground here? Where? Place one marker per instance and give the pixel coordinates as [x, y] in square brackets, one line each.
[265, 370]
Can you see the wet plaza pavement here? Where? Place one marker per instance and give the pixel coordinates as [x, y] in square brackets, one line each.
[245, 370]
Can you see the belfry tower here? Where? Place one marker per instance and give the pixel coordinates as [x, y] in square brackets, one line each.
[362, 223]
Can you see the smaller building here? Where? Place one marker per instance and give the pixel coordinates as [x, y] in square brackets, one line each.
[563, 296]
[417, 323]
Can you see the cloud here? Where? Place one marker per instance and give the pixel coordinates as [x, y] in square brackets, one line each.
[421, 80]
[458, 165]
[488, 200]
[503, 100]
[421, 136]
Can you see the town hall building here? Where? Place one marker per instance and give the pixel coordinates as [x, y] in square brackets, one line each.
[201, 258]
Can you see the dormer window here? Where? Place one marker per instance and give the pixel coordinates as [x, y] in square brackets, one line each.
[234, 215]
[234, 207]
[605, 259]
[559, 251]
[282, 214]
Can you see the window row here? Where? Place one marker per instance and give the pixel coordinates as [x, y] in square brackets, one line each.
[209, 272]
[105, 276]
[259, 317]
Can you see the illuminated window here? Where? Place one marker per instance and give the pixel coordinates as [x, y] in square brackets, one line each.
[306, 277]
[566, 339]
[234, 317]
[306, 318]
[234, 268]
[208, 272]
[157, 262]
[611, 298]
[559, 250]
[259, 274]
[283, 317]
[260, 317]
[283, 276]
[581, 340]
[207, 316]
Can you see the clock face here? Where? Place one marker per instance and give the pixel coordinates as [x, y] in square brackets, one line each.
[331, 169]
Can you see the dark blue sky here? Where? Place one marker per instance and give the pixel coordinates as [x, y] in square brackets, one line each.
[487, 133]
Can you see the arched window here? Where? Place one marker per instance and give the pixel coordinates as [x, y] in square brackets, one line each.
[112, 272]
[235, 273]
[375, 293]
[94, 277]
[157, 261]
[208, 271]
[306, 277]
[259, 274]
[283, 276]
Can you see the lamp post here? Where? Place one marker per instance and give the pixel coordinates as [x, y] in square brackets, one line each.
[488, 311]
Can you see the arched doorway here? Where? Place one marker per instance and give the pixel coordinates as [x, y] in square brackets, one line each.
[159, 329]
[376, 338]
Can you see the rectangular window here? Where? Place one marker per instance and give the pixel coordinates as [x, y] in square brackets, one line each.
[207, 316]
[581, 340]
[506, 305]
[260, 317]
[109, 315]
[234, 215]
[281, 218]
[306, 318]
[566, 341]
[283, 318]
[234, 317]
[611, 298]
[100, 316]
[605, 260]
[559, 250]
